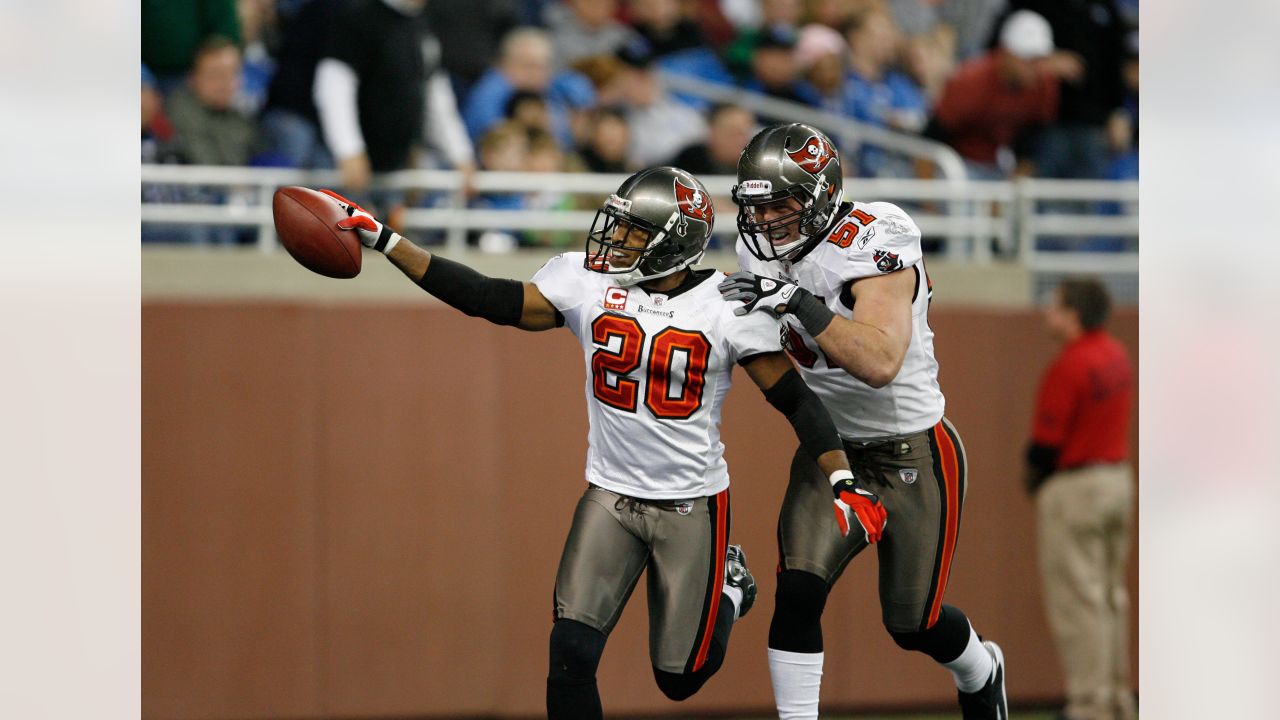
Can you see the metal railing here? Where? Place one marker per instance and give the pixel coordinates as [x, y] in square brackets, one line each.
[1046, 224]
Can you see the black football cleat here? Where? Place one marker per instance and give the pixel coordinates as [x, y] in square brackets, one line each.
[989, 703]
[737, 575]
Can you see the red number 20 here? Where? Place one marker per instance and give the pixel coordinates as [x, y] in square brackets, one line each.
[623, 393]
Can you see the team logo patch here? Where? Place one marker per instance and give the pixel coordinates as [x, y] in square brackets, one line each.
[615, 298]
[694, 203]
[909, 475]
[684, 508]
[887, 261]
[813, 155]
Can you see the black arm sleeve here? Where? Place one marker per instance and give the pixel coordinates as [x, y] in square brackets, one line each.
[499, 301]
[806, 414]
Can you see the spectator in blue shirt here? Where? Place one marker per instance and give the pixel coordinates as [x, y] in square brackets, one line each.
[878, 94]
[525, 64]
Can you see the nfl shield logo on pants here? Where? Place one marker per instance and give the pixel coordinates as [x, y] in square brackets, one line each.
[908, 475]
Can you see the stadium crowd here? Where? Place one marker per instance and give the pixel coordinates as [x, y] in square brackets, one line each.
[1046, 88]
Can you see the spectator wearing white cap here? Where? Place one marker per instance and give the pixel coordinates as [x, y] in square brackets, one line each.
[994, 104]
[1089, 39]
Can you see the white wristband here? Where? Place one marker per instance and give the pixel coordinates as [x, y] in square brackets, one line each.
[840, 475]
[391, 242]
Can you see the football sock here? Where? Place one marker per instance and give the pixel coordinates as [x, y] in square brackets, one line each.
[797, 680]
[973, 669]
[734, 594]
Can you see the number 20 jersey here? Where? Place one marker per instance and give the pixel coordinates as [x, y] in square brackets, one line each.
[871, 240]
[658, 368]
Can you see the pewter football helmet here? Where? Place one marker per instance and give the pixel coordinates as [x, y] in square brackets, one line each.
[791, 160]
[671, 206]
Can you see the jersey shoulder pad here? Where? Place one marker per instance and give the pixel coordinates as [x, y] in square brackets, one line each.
[563, 279]
[890, 239]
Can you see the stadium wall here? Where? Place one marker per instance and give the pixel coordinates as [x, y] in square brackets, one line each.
[355, 509]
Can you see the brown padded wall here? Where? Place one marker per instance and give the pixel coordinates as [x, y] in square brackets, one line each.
[357, 510]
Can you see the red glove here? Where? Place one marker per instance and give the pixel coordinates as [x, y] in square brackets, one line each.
[852, 500]
[373, 234]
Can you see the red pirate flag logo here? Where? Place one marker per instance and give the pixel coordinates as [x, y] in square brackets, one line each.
[694, 203]
[886, 261]
[813, 155]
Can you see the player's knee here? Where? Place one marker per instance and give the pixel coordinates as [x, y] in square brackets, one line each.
[575, 650]
[800, 594]
[943, 641]
[680, 686]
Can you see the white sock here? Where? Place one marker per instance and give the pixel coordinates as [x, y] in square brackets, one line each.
[735, 594]
[797, 679]
[973, 669]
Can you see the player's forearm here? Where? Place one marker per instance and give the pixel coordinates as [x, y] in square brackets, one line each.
[810, 420]
[411, 259]
[862, 350]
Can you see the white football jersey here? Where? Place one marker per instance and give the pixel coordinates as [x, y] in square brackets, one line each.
[658, 368]
[872, 239]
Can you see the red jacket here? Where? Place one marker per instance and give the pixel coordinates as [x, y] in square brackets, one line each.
[980, 113]
[1085, 401]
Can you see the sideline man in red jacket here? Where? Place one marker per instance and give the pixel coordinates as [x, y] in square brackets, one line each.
[1080, 475]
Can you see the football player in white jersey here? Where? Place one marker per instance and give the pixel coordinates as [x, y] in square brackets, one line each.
[659, 344]
[847, 281]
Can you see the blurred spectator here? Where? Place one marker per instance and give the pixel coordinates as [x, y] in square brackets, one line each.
[774, 71]
[775, 16]
[470, 32]
[504, 148]
[379, 97]
[256, 19]
[545, 156]
[821, 57]
[729, 130]
[660, 125]
[525, 63]
[173, 30]
[208, 129]
[156, 130]
[530, 111]
[994, 102]
[585, 28]
[1079, 473]
[1090, 37]
[878, 94]
[1122, 130]
[289, 122]
[837, 14]
[607, 140]
[663, 25]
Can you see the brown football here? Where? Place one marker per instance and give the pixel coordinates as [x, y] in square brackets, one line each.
[307, 224]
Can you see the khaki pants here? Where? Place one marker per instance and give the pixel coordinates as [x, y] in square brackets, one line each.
[1085, 519]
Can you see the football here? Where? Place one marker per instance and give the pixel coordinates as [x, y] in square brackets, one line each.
[307, 224]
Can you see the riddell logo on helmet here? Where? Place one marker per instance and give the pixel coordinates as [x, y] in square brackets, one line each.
[813, 155]
[693, 202]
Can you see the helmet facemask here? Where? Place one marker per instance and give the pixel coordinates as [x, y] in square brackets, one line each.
[806, 222]
[630, 248]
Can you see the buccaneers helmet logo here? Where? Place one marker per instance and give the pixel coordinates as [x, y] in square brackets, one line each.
[694, 203]
[813, 155]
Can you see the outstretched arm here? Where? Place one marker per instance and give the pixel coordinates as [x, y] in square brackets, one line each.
[784, 389]
[502, 302]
